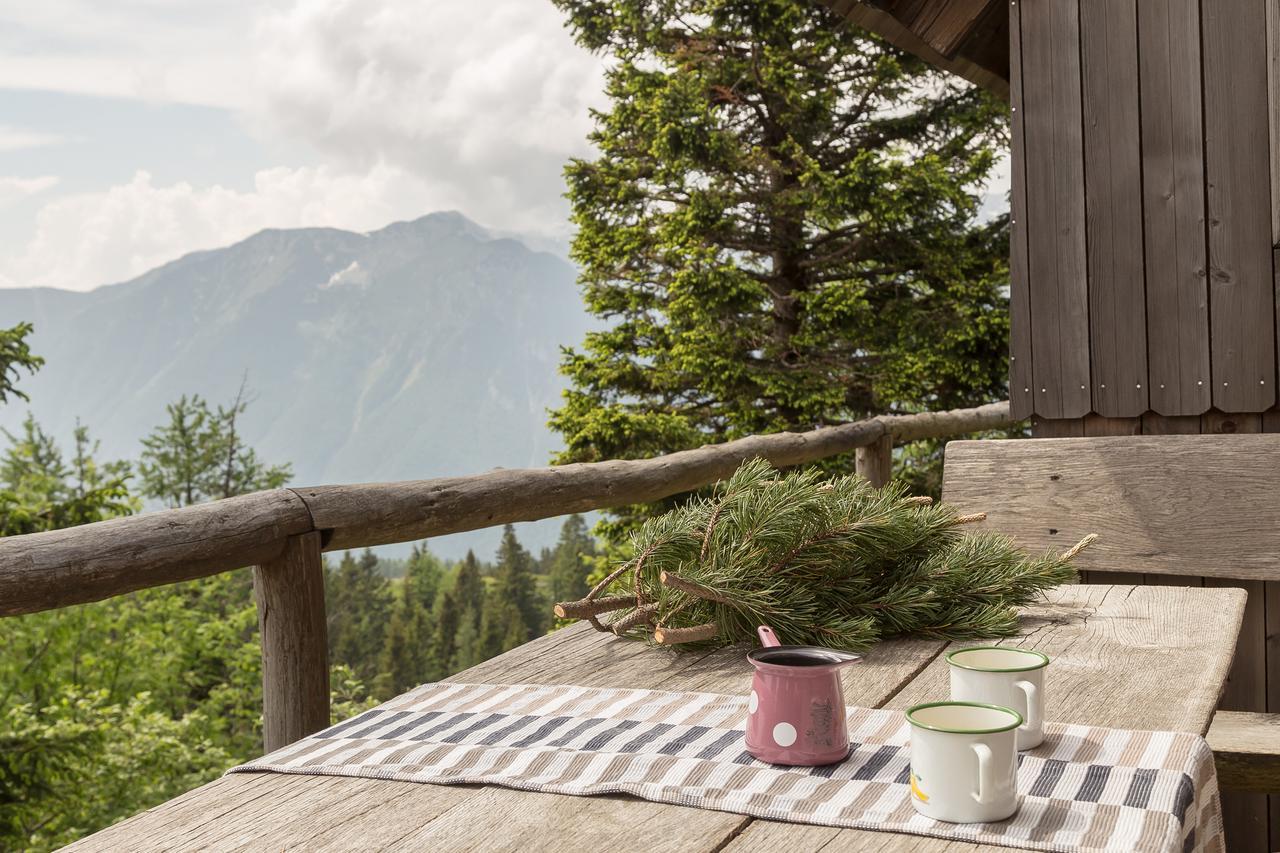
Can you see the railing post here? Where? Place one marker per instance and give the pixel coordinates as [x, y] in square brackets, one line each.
[295, 655]
[875, 460]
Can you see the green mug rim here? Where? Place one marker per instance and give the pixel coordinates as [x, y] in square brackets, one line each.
[1044, 659]
[950, 703]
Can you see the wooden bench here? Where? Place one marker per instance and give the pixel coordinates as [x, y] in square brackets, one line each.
[1183, 507]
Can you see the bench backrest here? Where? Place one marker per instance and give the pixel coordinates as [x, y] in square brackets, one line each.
[1204, 505]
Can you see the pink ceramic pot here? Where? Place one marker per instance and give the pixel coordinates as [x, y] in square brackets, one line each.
[796, 711]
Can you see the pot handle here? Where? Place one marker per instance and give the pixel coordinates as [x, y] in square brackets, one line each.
[767, 637]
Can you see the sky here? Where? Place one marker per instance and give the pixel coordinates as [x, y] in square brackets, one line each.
[134, 131]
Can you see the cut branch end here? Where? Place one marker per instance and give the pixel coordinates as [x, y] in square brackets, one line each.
[588, 607]
[676, 636]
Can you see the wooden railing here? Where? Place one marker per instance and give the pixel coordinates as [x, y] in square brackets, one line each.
[282, 532]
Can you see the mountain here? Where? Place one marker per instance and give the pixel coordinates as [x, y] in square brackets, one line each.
[425, 349]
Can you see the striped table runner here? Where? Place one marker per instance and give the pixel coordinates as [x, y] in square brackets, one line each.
[1083, 789]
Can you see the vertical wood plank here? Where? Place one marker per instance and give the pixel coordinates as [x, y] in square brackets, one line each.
[1113, 206]
[1021, 379]
[875, 461]
[1245, 815]
[1237, 148]
[295, 655]
[1174, 207]
[1056, 251]
[1273, 98]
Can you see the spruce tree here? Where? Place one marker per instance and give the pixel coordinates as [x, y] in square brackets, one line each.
[514, 583]
[780, 229]
[568, 567]
[357, 616]
[16, 356]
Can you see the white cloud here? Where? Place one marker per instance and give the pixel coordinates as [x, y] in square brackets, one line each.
[12, 188]
[16, 138]
[88, 239]
[485, 103]
[410, 106]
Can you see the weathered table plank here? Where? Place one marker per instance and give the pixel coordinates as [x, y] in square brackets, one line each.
[1123, 656]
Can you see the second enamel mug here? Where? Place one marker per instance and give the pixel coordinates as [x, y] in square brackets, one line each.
[998, 675]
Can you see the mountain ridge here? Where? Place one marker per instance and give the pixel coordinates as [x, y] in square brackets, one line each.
[425, 348]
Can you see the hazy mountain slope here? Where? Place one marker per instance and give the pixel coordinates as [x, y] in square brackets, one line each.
[427, 348]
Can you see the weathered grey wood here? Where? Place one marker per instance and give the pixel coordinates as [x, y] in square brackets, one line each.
[1237, 145]
[875, 461]
[1113, 207]
[1056, 208]
[295, 654]
[1177, 325]
[42, 571]
[1146, 642]
[1121, 637]
[1096, 425]
[1188, 505]
[1246, 748]
[1273, 99]
[1021, 377]
[1116, 652]
[95, 561]
[381, 513]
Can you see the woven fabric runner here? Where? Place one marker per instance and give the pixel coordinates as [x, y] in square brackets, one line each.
[1083, 789]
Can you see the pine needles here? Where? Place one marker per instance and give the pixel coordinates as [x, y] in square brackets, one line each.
[835, 563]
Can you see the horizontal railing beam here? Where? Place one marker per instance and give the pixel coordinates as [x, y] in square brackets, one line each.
[381, 513]
[42, 571]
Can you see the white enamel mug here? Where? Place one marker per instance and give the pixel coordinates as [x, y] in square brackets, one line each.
[964, 761]
[1009, 677]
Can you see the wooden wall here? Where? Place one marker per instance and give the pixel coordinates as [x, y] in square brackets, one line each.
[1145, 223]
[1146, 252]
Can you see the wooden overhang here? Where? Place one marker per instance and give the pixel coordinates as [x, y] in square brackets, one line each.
[969, 38]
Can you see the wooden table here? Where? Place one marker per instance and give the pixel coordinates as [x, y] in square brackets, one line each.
[1143, 657]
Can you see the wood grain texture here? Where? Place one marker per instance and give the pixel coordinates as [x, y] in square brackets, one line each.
[1246, 748]
[295, 653]
[42, 571]
[1055, 182]
[1092, 633]
[382, 513]
[1186, 505]
[875, 461]
[1146, 642]
[1021, 377]
[1155, 636]
[1113, 207]
[1174, 235]
[1237, 148]
[95, 561]
[1273, 100]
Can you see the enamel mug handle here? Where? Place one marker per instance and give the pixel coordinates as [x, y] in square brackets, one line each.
[1033, 705]
[767, 637]
[986, 776]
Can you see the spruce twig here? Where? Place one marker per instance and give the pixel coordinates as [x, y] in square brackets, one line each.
[836, 563]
